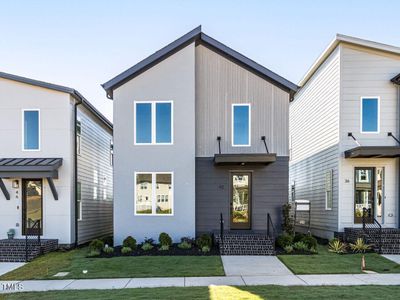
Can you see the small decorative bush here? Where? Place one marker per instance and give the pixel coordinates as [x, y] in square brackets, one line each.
[164, 248]
[298, 237]
[129, 242]
[96, 245]
[300, 246]
[126, 250]
[108, 250]
[360, 246]
[147, 246]
[165, 239]
[93, 253]
[149, 241]
[288, 249]
[184, 245]
[188, 239]
[204, 240]
[205, 249]
[108, 240]
[310, 241]
[284, 240]
[336, 246]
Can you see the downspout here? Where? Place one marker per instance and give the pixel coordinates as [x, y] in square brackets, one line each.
[76, 172]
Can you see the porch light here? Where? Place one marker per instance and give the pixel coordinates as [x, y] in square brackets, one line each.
[15, 184]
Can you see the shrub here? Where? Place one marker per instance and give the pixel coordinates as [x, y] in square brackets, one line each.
[188, 239]
[310, 241]
[284, 240]
[204, 240]
[147, 246]
[185, 245]
[96, 245]
[164, 248]
[205, 249]
[108, 240]
[298, 237]
[288, 222]
[129, 242]
[337, 246]
[93, 253]
[108, 250]
[360, 246]
[165, 239]
[126, 250]
[300, 246]
[288, 249]
[149, 241]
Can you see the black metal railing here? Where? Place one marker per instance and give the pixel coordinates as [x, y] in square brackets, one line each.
[372, 228]
[271, 232]
[221, 233]
[32, 238]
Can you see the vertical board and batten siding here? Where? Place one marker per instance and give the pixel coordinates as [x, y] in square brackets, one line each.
[314, 134]
[221, 83]
[97, 214]
[367, 73]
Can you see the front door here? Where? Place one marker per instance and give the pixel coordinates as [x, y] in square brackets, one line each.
[32, 206]
[240, 200]
[364, 193]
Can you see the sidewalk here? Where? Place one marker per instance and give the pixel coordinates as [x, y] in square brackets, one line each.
[125, 283]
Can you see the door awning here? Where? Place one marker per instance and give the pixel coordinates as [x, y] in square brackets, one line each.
[244, 159]
[373, 152]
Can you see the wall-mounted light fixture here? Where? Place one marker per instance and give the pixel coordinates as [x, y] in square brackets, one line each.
[15, 184]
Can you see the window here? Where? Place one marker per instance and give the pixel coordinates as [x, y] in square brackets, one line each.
[154, 193]
[328, 190]
[78, 136]
[79, 200]
[153, 123]
[111, 153]
[31, 130]
[293, 191]
[370, 115]
[241, 124]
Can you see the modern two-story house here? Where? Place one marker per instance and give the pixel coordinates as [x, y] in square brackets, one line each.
[344, 137]
[55, 163]
[199, 130]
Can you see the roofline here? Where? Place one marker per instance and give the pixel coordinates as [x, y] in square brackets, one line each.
[195, 35]
[74, 93]
[341, 38]
[396, 79]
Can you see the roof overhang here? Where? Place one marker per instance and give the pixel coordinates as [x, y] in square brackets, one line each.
[244, 159]
[30, 167]
[373, 152]
[396, 79]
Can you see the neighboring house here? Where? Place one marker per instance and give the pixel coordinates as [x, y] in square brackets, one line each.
[344, 131]
[55, 163]
[189, 123]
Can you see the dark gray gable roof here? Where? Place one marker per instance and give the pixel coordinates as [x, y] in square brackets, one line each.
[198, 36]
[74, 93]
[396, 79]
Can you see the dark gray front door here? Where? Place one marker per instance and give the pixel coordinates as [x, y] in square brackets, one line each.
[240, 200]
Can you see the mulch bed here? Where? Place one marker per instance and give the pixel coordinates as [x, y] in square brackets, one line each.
[173, 251]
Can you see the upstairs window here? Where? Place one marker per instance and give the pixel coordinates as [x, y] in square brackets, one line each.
[31, 130]
[153, 123]
[370, 115]
[241, 125]
[78, 136]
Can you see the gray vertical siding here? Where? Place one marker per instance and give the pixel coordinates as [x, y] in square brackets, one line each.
[97, 214]
[269, 193]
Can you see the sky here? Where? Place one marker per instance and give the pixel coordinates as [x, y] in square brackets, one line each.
[82, 44]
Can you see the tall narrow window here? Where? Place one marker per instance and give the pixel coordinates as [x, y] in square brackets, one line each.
[370, 115]
[111, 153]
[31, 130]
[78, 136]
[328, 190]
[79, 200]
[144, 194]
[153, 123]
[163, 192]
[241, 120]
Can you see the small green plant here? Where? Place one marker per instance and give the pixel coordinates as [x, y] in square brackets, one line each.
[310, 241]
[360, 246]
[288, 222]
[108, 250]
[336, 246]
[205, 249]
[204, 240]
[284, 240]
[188, 239]
[288, 249]
[298, 237]
[93, 253]
[164, 248]
[165, 239]
[147, 246]
[184, 245]
[149, 241]
[129, 242]
[300, 246]
[126, 250]
[96, 245]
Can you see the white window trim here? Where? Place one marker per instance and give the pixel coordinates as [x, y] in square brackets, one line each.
[232, 124]
[79, 136]
[331, 190]
[379, 114]
[23, 129]
[153, 195]
[153, 122]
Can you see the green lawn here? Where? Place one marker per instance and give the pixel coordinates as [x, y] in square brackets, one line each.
[326, 262]
[75, 262]
[226, 292]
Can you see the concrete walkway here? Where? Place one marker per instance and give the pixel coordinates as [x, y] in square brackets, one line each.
[125, 283]
[393, 257]
[6, 267]
[254, 266]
